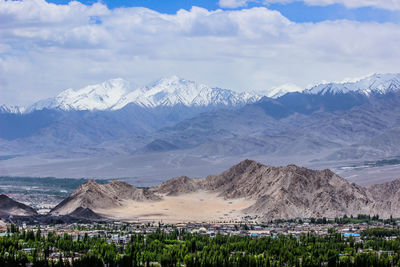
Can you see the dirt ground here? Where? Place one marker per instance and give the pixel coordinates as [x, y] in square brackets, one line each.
[194, 207]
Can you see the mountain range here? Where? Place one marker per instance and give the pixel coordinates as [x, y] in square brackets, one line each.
[330, 122]
[267, 193]
[117, 93]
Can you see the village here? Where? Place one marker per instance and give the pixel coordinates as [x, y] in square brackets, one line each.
[120, 232]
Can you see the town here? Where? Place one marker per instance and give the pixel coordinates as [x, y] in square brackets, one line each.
[34, 240]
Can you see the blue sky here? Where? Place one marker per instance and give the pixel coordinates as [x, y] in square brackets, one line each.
[242, 45]
[296, 11]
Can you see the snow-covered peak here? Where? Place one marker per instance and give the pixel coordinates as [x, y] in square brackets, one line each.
[171, 91]
[174, 91]
[283, 90]
[374, 84]
[11, 109]
[93, 97]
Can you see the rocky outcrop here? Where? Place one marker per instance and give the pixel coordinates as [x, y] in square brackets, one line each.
[94, 196]
[85, 214]
[291, 191]
[386, 198]
[178, 186]
[9, 206]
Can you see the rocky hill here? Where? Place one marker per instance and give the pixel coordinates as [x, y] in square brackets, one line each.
[177, 186]
[284, 192]
[273, 193]
[86, 214]
[387, 198]
[9, 206]
[92, 195]
[291, 191]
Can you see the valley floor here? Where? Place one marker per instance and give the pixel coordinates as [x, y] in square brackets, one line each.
[154, 168]
[194, 207]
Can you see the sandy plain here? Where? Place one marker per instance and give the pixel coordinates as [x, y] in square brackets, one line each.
[200, 206]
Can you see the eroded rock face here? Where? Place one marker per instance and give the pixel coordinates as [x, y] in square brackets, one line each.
[387, 198]
[9, 206]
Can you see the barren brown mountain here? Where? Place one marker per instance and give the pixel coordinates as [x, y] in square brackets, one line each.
[264, 191]
[9, 206]
[86, 214]
[387, 198]
[94, 196]
[176, 186]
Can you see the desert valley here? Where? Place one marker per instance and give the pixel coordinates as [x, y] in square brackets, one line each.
[332, 153]
[212, 133]
[248, 191]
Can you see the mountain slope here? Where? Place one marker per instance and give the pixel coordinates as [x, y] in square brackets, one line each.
[296, 123]
[289, 192]
[85, 214]
[115, 94]
[93, 97]
[9, 206]
[387, 198]
[174, 91]
[263, 191]
[92, 195]
[11, 109]
[372, 85]
[356, 120]
[114, 110]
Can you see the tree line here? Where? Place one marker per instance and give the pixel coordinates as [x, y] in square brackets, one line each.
[180, 248]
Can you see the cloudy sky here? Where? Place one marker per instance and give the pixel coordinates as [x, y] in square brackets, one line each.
[49, 46]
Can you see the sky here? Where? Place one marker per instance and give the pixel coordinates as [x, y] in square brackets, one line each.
[259, 45]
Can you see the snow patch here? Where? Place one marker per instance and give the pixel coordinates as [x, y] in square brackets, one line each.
[374, 84]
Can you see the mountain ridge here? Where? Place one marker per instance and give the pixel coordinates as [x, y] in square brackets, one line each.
[375, 84]
[283, 192]
[117, 93]
[327, 127]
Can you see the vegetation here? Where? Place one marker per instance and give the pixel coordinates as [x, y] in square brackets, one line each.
[360, 218]
[179, 248]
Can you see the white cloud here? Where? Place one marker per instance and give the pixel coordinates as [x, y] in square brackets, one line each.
[42, 53]
[384, 4]
[232, 3]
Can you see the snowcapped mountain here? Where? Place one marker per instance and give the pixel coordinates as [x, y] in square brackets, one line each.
[374, 84]
[93, 97]
[11, 109]
[282, 90]
[168, 92]
[173, 91]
